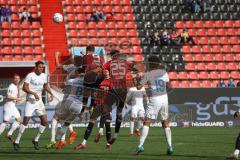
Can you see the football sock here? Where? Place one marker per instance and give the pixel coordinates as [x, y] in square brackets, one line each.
[118, 123]
[139, 124]
[84, 142]
[2, 127]
[88, 130]
[100, 131]
[102, 120]
[13, 128]
[144, 134]
[131, 127]
[21, 131]
[54, 129]
[41, 129]
[70, 127]
[108, 131]
[168, 135]
[236, 152]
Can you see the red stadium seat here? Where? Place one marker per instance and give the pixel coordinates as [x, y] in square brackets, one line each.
[203, 40]
[185, 84]
[232, 66]
[93, 41]
[12, 2]
[79, 9]
[235, 74]
[237, 57]
[198, 57]
[196, 49]
[132, 33]
[179, 24]
[39, 57]
[236, 48]
[26, 33]
[6, 25]
[211, 32]
[16, 33]
[219, 24]
[219, 57]
[206, 49]
[192, 32]
[121, 25]
[134, 41]
[118, 17]
[32, 2]
[111, 25]
[214, 75]
[83, 41]
[92, 25]
[88, 2]
[107, 2]
[7, 58]
[129, 17]
[231, 32]
[190, 66]
[70, 17]
[122, 33]
[203, 75]
[221, 32]
[199, 24]
[28, 50]
[18, 50]
[224, 75]
[117, 9]
[103, 33]
[125, 2]
[209, 57]
[116, 2]
[7, 50]
[224, 40]
[37, 41]
[69, 9]
[188, 58]
[112, 33]
[27, 41]
[88, 9]
[36, 33]
[127, 9]
[6, 33]
[28, 58]
[186, 49]
[92, 33]
[15, 17]
[201, 66]
[18, 58]
[189, 24]
[237, 24]
[222, 66]
[3, 2]
[174, 84]
[229, 57]
[193, 75]
[82, 25]
[211, 66]
[182, 75]
[7, 42]
[195, 84]
[33, 9]
[201, 32]
[206, 84]
[17, 41]
[72, 25]
[228, 24]
[26, 25]
[136, 50]
[234, 40]
[131, 25]
[83, 33]
[209, 24]
[216, 49]
[101, 25]
[97, 2]
[226, 49]
[38, 50]
[173, 75]
[80, 17]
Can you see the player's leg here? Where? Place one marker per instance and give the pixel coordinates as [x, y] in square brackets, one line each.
[54, 126]
[72, 134]
[108, 130]
[41, 129]
[6, 117]
[132, 126]
[22, 128]
[141, 114]
[15, 124]
[61, 142]
[100, 131]
[3, 126]
[166, 127]
[235, 154]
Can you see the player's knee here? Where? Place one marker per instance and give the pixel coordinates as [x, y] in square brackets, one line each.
[165, 124]
[119, 118]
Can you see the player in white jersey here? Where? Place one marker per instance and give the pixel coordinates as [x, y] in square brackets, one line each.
[9, 108]
[158, 83]
[34, 84]
[70, 107]
[72, 98]
[136, 97]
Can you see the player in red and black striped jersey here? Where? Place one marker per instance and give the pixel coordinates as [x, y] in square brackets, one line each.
[92, 64]
[118, 69]
[105, 86]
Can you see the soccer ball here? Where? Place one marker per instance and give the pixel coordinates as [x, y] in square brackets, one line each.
[58, 18]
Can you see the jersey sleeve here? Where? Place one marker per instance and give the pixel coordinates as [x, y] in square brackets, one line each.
[28, 78]
[45, 79]
[129, 95]
[166, 77]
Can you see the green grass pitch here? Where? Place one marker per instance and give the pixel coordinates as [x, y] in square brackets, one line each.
[189, 144]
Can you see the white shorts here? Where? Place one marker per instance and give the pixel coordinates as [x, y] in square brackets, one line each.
[68, 110]
[9, 111]
[157, 104]
[138, 111]
[36, 107]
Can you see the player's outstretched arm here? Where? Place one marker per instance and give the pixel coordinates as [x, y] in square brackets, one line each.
[28, 91]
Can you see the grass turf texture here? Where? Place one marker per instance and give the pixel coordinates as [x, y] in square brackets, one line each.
[189, 144]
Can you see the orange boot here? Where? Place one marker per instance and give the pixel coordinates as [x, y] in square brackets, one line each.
[72, 137]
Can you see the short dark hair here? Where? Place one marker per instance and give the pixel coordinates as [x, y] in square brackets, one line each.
[114, 52]
[38, 63]
[153, 62]
[16, 75]
[90, 48]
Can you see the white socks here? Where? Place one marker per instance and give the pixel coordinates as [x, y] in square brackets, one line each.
[40, 131]
[54, 129]
[131, 127]
[2, 127]
[236, 152]
[84, 142]
[100, 131]
[139, 124]
[13, 128]
[144, 134]
[70, 127]
[168, 135]
[21, 130]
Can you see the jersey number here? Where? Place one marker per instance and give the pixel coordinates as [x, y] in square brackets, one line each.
[118, 69]
[160, 85]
